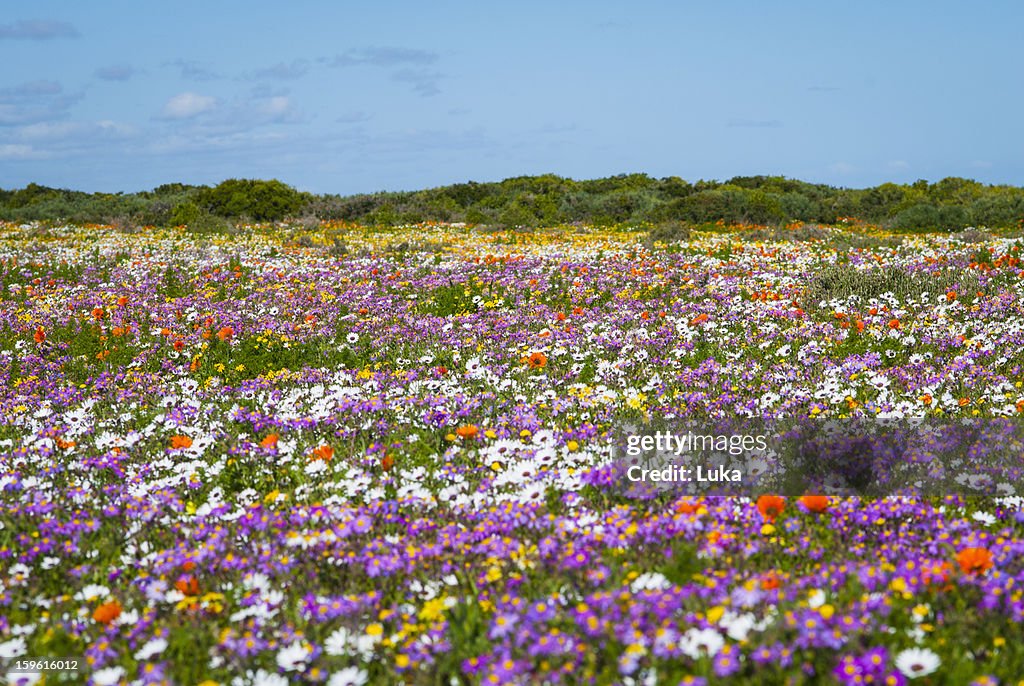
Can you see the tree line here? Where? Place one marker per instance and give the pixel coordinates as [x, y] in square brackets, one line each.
[950, 204]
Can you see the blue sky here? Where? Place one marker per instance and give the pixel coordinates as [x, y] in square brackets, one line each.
[349, 97]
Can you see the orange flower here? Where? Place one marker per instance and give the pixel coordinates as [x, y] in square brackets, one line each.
[860, 325]
[324, 452]
[963, 402]
[815, 503]
[770, 582]
[926, 399]
[39, 335]
[699, 319]
[974, 560]
[468, 431]
[951, 295]
[179, 441]
[98, 313]
[122, 301]
[188, 585]
[179, 345]
[770, 506]
[894, 324]
[387, 462]
[225, 333]
[688, 506]
[107, 612]
[537, 360]
[270, 441]
[64, 444]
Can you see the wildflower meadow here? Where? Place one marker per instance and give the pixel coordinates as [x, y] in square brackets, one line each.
[335, 454]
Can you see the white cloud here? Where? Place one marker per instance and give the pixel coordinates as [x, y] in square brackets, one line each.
[842, 168]
[187, 105]
[18, 151]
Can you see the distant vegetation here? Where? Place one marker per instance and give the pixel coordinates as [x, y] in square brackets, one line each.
[950, 204]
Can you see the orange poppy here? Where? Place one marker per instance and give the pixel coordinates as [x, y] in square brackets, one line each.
[815, 503]
[324, 452]
[770, 582]
[180, 442]
[894, 324]
[468, 431]
[687, 506]
[225, 333]
[107, 612]
[974, 560]
[770, 506]
[39, 335]
[188, 585]
[122, 301]
[537, 360]
[269, 442]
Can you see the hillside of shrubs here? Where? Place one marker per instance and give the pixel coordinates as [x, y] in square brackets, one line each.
[950, 204]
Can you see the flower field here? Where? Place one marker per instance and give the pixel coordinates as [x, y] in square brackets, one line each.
[347, 455]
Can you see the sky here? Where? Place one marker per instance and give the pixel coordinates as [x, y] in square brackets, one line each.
[357, 97]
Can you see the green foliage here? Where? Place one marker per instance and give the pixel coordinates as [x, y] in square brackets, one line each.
[185, 213]
[261, 200]
[531, 201]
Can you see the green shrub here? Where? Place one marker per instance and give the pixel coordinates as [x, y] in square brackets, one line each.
[262, 200]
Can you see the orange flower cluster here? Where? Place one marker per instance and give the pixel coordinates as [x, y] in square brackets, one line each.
[974, 560]
[107, 612]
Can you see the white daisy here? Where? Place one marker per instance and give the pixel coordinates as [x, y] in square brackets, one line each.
[350, 676]
[916, 662]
